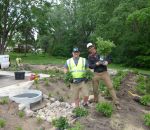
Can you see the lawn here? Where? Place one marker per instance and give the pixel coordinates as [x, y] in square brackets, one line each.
[46, 59]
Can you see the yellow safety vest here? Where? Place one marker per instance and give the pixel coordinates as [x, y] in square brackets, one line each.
[77, 70]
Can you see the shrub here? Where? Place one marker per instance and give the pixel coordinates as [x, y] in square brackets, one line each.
[61, 123]
[68, 77]
[88, 74]
[147, 119]
[39, 120]
[140, 88]
[79, 112]
[18, 128]
[77, 126]
[105, 107]
[4, 100]
[21, 114]
[2, 123]
[145, 100]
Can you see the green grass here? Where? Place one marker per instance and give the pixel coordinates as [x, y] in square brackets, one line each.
[121, 67]
[46, 59]
[37, 58]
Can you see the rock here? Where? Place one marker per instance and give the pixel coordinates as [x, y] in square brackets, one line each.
[45, 96]
[29, 113]
[91, 98]
[52, 99]
[21, 107]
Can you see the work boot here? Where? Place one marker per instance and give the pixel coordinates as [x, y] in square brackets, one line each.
[117, 105]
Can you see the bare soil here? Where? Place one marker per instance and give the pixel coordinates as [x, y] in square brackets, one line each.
[130, 117]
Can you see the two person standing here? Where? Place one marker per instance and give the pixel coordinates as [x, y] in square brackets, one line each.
[78, 65]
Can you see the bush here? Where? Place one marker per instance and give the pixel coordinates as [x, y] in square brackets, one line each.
[18, 128]
[21, 114]
[145, 100]
[68, 77]
[77, 126]
[105, 107]
[88, 75]
[147, 119]
[2, 123]
[79, 112]
[4, 100]
[61, 123]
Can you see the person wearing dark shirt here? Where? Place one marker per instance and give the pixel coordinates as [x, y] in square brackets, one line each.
[99, 64]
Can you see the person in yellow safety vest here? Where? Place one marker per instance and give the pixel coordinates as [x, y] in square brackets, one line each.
[77, 66]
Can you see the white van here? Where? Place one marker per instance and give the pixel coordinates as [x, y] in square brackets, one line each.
[4, 61]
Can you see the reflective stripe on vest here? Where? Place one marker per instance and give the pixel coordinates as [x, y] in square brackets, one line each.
[77, 70]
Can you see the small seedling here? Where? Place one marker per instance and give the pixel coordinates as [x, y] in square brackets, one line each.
[4, 100]
[2, 123]
[49, 95]
[18, 128]
[105, 107]
[80, 112]
[145, 100]
[77, 126]
[147, 119]
[39, 120]
[61, 123]
[21, 114]
[46, 82]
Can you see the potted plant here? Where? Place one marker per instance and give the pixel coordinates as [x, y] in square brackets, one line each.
[19, 74]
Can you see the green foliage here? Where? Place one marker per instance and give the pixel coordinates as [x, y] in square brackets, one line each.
[143, 85]
[68, 77]
[39, 120]
[2, 123]
[147, 85]
[18, 128]
[147, 119]
[4, 100]
[118, 78]
[61, 123]
[105, 107]
[145, 100]
[88, 75]
[104, 47]
[79, 112]
[46, 82]
[21, 114]
[77, 126]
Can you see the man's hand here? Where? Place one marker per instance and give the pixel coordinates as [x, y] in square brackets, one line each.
[98, 63]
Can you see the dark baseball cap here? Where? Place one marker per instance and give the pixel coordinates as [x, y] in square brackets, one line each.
[75, 49]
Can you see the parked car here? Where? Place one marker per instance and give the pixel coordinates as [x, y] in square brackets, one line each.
[4, 61]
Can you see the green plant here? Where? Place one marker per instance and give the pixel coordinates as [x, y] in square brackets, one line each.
[18, 128]
[104, 47]
[79, 112]
[88, 74]
[49, 95]
[145, 100]
[2, 123]
[61, 123]
[21, 114]
[147, 119]
[4, 100]
[46, 82]
[77, 126]
[39, 120]
[105, 107]
[147, 84]
[68, 77]
[140, 88]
